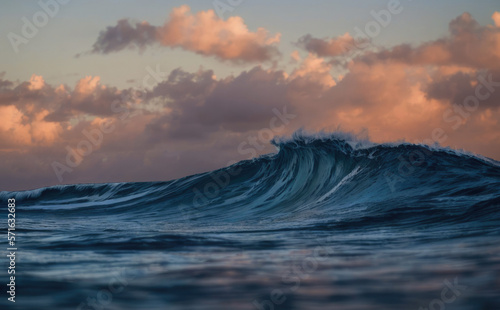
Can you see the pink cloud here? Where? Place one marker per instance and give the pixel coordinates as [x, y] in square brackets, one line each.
[468, 44]
[203, 33]
[36, 82]
[496, 18]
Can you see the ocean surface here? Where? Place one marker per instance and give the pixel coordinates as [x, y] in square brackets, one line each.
[323, 223]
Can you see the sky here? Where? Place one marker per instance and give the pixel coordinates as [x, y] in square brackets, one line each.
[123, 91]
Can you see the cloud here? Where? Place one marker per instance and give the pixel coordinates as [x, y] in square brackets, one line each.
[61, 104]
[203, 33]
[468, 44]
[333, 47]
[17, 132]
[36, 82]
[496, 18]
[4, 83]
[125, 35]
[199, 105]
[315, 70]
[295, 56]
[455, 88]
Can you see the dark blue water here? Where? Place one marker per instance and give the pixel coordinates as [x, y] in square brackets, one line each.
[322, 224]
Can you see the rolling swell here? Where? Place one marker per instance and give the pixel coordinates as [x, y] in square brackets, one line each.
[311, 180]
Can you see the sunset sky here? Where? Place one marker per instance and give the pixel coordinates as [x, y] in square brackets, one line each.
[119, 91]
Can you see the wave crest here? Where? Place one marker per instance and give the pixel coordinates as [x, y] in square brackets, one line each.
[311, 179]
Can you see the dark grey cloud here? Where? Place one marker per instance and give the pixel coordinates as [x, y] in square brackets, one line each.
[455, 88]
[125, 35]
[200, 105]
[343, 45]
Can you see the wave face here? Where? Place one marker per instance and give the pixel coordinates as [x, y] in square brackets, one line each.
[396, 221]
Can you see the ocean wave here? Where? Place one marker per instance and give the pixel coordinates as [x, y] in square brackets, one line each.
[310, 179]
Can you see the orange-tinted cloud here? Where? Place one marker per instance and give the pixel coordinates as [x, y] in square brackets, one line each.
[36, 82]
[17, 133]
[468, 44]
[316, 70]
[203, 33]
[496, 18]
